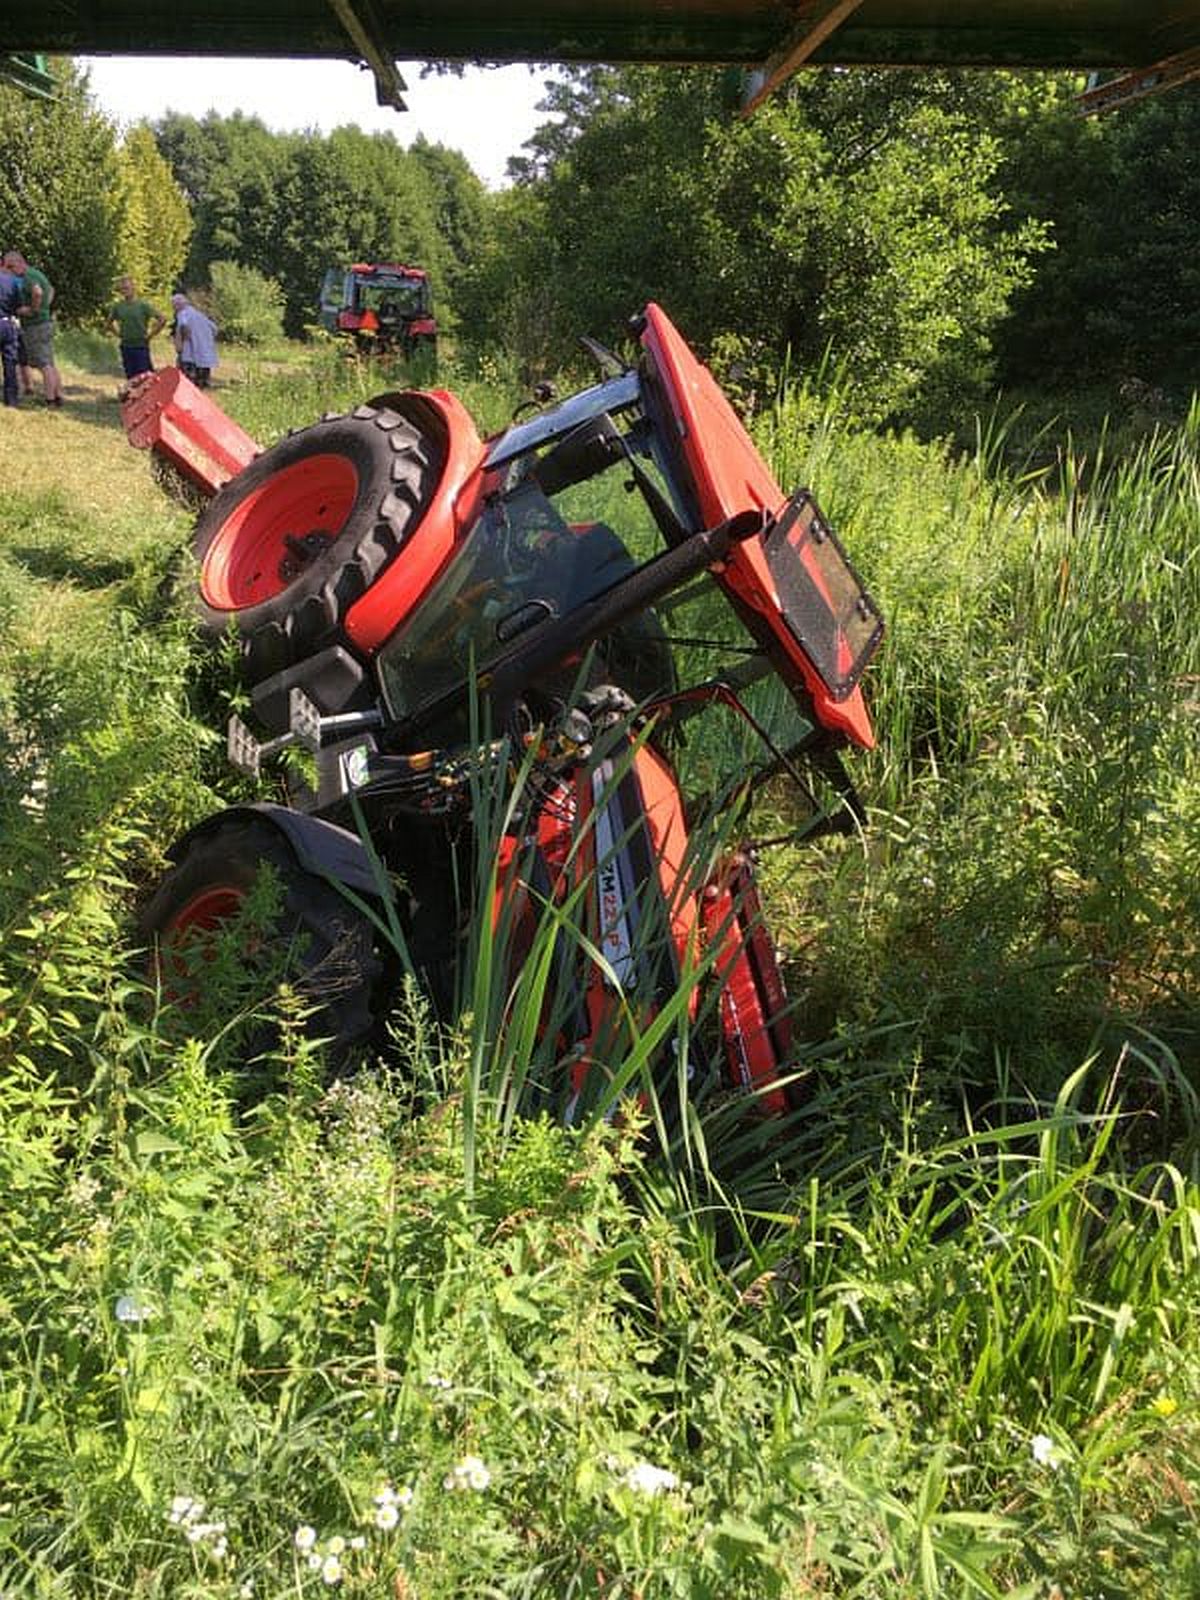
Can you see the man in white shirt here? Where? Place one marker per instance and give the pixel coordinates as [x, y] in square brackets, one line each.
[195, 340]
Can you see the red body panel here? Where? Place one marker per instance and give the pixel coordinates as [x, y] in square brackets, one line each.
[754, 1020]
[398, 267]
[663, 806]
[453, 508]
[731, 476]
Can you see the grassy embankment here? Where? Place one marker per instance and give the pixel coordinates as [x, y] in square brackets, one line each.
[941, 1341]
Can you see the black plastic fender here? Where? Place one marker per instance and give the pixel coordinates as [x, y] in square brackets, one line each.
[320, 847]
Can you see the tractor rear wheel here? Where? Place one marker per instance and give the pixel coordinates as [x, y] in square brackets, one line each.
[313, 935]
[290, 543]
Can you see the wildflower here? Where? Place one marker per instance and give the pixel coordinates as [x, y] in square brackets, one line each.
[643, 1478]
[336, 1545]
[386, 1517]
[331, 1570]
[184, 1509]
[315, 1561]
[436, 1381]
[1044, 1451]
[305, 1538]
[129, 1308]
[84, 1189]
[470, 1473]
[1164, 1406]
[358, 1542]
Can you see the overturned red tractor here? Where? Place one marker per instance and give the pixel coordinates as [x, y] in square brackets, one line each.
[611, 615]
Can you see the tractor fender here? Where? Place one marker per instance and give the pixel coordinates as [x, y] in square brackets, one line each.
[320, 847]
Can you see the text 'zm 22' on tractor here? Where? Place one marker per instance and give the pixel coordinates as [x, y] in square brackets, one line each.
[559, 688]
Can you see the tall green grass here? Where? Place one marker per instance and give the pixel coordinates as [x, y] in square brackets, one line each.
[1029, 880]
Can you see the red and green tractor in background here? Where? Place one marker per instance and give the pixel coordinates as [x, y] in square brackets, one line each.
[382, 306]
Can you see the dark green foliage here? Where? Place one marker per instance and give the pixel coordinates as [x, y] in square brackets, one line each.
[918, 229]
[806, 228]
[1119, 297]
[460, 211]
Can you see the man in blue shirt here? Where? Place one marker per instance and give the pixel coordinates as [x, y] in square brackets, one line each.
[10, 331]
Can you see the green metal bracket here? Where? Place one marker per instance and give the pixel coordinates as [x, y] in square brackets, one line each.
[30, 73]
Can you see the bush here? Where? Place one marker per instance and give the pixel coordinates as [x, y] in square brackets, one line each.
[247, 307]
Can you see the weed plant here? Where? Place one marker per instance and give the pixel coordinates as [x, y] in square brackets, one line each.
[935, 1338]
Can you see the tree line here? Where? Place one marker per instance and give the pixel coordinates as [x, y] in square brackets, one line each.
[930, 233]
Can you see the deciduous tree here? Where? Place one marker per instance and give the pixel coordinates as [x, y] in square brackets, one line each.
[60, 190]
[156, 223]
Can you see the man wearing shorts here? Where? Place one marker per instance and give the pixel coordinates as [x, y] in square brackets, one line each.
[135, 322]
[37, 322]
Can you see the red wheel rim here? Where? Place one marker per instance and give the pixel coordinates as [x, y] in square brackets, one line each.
[205, 911]
[189, 940]
[263, 545]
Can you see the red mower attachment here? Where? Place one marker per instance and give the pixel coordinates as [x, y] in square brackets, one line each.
[165, 412]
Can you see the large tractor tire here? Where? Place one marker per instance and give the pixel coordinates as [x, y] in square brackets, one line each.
[324, 945]
[290, 543]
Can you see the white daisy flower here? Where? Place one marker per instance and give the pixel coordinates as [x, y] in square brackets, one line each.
[643, 1478]
[470, 1473]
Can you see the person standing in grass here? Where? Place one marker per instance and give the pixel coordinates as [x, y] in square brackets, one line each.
[10, 332]
[195, 340]
[37, 322]
[135, 322]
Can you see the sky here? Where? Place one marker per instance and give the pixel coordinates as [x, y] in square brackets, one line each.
[488, 114]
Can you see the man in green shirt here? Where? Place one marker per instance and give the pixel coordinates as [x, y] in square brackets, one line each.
[135, 322]
[37, 322]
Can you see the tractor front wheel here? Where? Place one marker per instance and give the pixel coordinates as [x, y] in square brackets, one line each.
[287, 546]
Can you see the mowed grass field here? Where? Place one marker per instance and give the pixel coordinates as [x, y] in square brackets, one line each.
[938, 1337]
